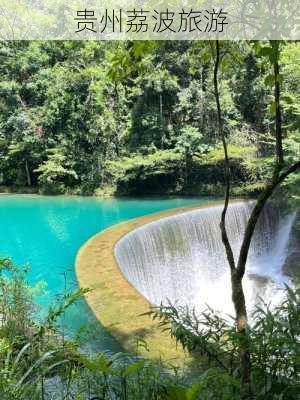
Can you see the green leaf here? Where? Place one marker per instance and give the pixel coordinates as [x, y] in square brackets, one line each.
[133, 368]
[273, 107]
[265, 51]
[269, 80]
[193, 391]
[176, 393]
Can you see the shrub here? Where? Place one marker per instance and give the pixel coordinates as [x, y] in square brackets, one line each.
[42, 366]
[274, 338]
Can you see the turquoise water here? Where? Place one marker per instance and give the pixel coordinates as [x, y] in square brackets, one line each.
[46, 233]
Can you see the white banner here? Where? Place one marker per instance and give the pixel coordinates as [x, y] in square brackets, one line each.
[149, 20]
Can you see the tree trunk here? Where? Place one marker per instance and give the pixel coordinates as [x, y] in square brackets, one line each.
[237, 291]
[278, 118]
[238, 299]
[161, 120]
[238, 270]
[28, 175]
[116, 108]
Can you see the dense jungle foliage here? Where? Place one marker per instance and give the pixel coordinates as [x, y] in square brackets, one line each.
[140, 118]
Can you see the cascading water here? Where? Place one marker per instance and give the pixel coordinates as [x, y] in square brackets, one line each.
[182, 258]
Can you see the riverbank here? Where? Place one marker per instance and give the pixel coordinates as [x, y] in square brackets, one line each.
[242, 191]
[5, 190]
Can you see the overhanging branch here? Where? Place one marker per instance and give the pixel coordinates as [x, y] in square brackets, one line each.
[255, 214]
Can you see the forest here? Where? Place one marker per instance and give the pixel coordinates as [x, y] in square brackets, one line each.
[139, 118]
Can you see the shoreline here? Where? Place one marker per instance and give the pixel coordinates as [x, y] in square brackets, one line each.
[218, 193]
[113, 196]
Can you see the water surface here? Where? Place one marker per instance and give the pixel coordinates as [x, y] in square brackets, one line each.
[46, 233]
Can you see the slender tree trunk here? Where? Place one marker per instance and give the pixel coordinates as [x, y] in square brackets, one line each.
[279, 175]
[238, 296]
[161, 120]
[204, 89]
[277, 178]
[116, 107]
[28, 175]
[161, 107]
[278, 118]
[186, 174]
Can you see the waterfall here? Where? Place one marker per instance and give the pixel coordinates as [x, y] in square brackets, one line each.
[182, 258]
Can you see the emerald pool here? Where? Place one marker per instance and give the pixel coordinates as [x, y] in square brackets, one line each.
[46, 233]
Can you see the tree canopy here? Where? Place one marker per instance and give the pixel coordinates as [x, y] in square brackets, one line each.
[85, 116]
